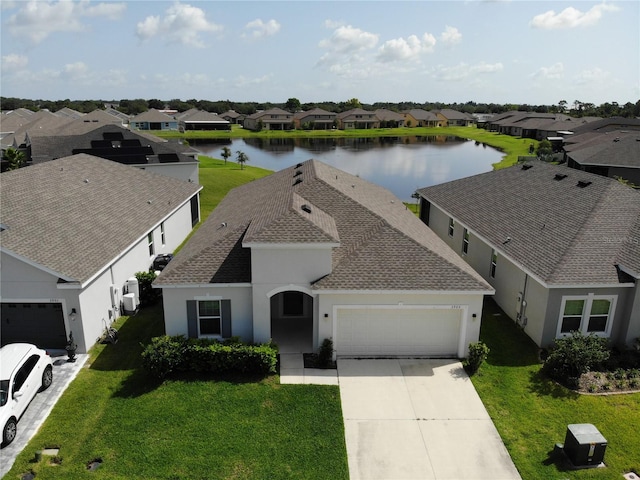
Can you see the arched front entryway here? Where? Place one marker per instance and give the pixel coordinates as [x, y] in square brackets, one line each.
[292, 321]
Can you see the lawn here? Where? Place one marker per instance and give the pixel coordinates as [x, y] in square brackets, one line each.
[194, 428]
[532, 413]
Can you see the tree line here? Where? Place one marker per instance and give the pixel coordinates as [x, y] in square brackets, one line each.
[576, 108]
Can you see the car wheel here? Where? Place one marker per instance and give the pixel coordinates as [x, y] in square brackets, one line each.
[9, 432]
[47, 378]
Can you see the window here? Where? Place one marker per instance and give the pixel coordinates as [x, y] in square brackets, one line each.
[465, 242]
[150, 242]
[494, 262]
[162, 234]
[451, 227]
[209, 318]
[586, 314]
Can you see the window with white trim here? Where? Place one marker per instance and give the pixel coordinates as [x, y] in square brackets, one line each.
[209, 318]
[163, 237]
[150, 242]
[494, 263]
[465, 242]
[587, 314]
[451, 227]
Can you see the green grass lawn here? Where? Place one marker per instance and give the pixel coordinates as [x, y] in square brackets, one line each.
[193, 428]
[532, 413]
[511, 146]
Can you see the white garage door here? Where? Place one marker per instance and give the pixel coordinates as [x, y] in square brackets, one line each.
[382, 331]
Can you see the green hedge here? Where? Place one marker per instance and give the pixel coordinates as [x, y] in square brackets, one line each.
[169, 355]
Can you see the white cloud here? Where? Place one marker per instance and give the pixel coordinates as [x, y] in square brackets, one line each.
[347, 39]
[14, 62]
[592, 76]
[404, 49]
[462, 71]
[37, 20]
[571, 17]
[555, 71]
[451, 36]
[181, 23]
[260, 29]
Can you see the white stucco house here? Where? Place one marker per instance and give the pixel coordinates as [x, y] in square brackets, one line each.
[73, 231]
[560, 246]
[310, 253]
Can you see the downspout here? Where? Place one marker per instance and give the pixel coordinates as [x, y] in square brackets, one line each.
[521, 318]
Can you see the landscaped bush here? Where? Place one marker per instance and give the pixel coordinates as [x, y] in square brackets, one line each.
[325, 353]
[169, 355]
[575, 355]
[478, 353]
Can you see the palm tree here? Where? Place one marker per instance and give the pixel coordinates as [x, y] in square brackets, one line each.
[15, 158]
[226, 153]
[242, 158]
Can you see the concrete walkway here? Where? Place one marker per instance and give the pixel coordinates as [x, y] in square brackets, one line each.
[418, 419]
[292, 372]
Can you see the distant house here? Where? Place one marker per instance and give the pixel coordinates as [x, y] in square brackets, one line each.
[233, 117]
[310, 253]
[153, 120]
[560, 246]
[194, 119]
[73, 232]
[357, 118]
[453, 118]
[421, 118]
[315, 119]
[389, 118]
[272, 119]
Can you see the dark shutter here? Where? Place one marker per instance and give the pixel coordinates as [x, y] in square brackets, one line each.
[225, 307]
[192, 318]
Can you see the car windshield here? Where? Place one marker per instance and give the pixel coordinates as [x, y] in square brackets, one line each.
[4, 392]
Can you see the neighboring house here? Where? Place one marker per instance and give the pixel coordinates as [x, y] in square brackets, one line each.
[153, 120]
[272, 119]
[312, 252]
[233, 117]
[357, 118]
[119, 144]
[315, 119]
[73, 231]
[389, 118]
[453, 118]
[194, 119]
[611, 154]
[561, 247]
[421, 118]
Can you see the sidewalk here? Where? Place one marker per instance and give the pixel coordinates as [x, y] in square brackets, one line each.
[292, 372]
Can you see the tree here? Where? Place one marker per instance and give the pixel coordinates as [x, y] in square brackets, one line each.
[241, 158]
[15, 158]
[293, 105]
[226, 153]
[155, 103]
[545, 150]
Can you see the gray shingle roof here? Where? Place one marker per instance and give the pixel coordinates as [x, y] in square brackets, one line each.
[562, 233]
[382, 245]
[622, 150]
[76, 214]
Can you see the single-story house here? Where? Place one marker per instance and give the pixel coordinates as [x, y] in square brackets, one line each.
[315, 119]
[310, 253]
[195, 119]
[272, 119]
[357, 118]
[233, 117]
[560, 246]
[389, 118]
[454, 118]
[153, 119]
[417, 117]
[73, 232]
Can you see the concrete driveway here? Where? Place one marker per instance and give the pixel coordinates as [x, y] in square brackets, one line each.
[418, 419]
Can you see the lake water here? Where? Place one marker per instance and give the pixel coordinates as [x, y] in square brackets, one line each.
[400, 164]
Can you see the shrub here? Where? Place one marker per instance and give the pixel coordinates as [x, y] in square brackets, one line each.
[325, 353]
[148, 294]
[478, 353]
[575, 355]
[167, 355]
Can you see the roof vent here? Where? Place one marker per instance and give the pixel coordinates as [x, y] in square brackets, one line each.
[583, 183]
[298, 172]
[560, 176]
[306, 208]
[298, 180]
[526, 166]
[298, 165]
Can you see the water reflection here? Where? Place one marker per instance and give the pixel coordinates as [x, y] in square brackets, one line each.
[400, 164]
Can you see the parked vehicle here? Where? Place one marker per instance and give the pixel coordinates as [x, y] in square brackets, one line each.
[25, 370]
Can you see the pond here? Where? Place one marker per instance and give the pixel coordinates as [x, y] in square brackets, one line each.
[400, 164]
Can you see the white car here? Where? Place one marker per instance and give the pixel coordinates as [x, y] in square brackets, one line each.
[24, 371]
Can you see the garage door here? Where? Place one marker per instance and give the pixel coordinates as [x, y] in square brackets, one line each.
[382, 331]
[39, 323]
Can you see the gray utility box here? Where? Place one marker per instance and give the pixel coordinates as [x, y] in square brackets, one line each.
[584, 445]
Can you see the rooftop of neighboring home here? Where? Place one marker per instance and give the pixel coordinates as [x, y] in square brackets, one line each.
[565, 226]
[420, 114]
[314, 111]
[152, 116]
[200, 116]
[377, 243]
[614, 148]
[272, 111]
[450, 114]
[51, 227]
[388, 115]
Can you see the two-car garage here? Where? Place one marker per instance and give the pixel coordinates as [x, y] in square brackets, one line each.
[383, 330]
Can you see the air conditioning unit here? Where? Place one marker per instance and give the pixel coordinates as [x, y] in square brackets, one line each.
[584, 445]
[129, 303]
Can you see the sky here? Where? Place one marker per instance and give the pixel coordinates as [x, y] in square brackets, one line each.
[486, 51]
